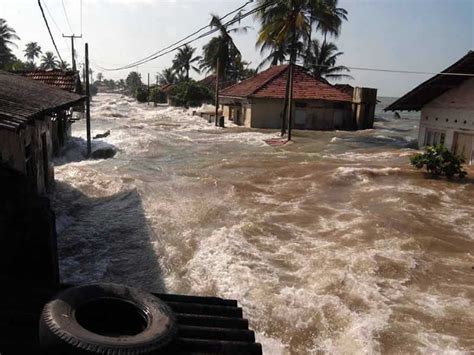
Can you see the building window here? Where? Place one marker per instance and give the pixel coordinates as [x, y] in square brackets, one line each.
[300, 104]
[434, 137]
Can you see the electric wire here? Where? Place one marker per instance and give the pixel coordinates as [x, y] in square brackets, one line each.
[49, 30]
[164, 51]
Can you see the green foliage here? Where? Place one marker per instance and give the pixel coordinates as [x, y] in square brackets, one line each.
[133, 82]
[157, 96]
[32, 51]
[439, 161]
[7, 38]
[93, 89]
[49, 61]
[190, 94]
[141, 94]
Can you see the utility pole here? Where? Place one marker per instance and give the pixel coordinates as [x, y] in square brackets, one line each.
[88, 104]
[148, 90]
[217, 91]
[73, 63]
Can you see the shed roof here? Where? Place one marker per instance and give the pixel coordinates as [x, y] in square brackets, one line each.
[435, 86]
[22, 99]
[271, 83]
[166, 88]
[61, 79]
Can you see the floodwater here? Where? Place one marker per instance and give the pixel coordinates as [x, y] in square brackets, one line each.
[333, 244]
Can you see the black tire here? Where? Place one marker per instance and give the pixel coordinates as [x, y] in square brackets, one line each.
[105, 319]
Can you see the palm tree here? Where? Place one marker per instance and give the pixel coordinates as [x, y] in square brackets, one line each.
[283, 25]
[64, 65]
[322, 61]
[49, 61]
[7, 36]
[182, 62]
[32, 51]
[223, 48]
[167, 76]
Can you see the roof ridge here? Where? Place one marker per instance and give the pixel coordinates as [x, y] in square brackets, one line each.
[254, 76]
[284, 67]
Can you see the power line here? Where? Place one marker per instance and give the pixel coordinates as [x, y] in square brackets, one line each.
[163, 51]
[52, 18]
[81, 18]
[67, 17]
[192, 34]
[49, 30]
[399, 71]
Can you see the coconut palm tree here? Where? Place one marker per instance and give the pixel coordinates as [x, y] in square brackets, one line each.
[32, 51]
[7, 36]
[223, 48]
[64, 65]
[167, 76]
[184, 59]
[322, 61]
[49, 61]
[283, 25]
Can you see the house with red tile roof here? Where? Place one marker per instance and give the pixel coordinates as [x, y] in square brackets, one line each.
[258, 102]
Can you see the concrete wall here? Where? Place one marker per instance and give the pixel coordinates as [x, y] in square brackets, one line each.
[449, 113]
[314, 114]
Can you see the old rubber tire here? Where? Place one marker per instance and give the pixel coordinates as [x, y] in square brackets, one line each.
[105, 319]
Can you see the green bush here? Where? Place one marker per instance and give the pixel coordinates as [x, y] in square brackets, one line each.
[439, 161]
[157, 96]
[190, 94]
[141, 94]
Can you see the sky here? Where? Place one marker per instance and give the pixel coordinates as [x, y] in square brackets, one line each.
[412, 35]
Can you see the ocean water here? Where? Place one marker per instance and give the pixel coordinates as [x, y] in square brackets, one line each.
[332, 244]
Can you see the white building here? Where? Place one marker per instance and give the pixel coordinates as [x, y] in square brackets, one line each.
[446, 103]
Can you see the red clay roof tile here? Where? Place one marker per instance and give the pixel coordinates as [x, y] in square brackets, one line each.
[60, 79]
[271, 83]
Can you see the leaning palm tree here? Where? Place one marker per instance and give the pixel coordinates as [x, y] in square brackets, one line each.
[184, 59]
[7, 36]
[322, 61]
[49, 61]
[32, 51]
[167, 76]
[222, 50]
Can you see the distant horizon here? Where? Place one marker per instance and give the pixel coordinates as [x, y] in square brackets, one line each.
[379, 34]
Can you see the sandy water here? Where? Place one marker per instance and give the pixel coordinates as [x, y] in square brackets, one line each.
[332, 244]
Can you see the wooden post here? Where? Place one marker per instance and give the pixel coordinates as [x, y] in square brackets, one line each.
[290, 102]
[217, 92]
[148, 90]
[285, 107]
[88, 104]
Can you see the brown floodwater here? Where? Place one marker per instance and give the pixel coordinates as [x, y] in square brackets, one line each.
[332, 244]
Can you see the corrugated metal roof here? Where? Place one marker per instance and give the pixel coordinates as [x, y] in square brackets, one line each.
[436, 86]
[60, 79]
[271, 83]
[21, 99]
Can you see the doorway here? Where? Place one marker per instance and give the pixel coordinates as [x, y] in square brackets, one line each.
[464, 145]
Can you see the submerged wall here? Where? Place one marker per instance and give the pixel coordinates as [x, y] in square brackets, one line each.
[27, 231]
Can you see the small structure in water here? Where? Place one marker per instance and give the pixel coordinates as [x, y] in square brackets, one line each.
[447, 108]
[34, 121]
[258, 102]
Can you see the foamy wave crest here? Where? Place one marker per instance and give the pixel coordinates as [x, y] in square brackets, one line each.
[349, 174]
